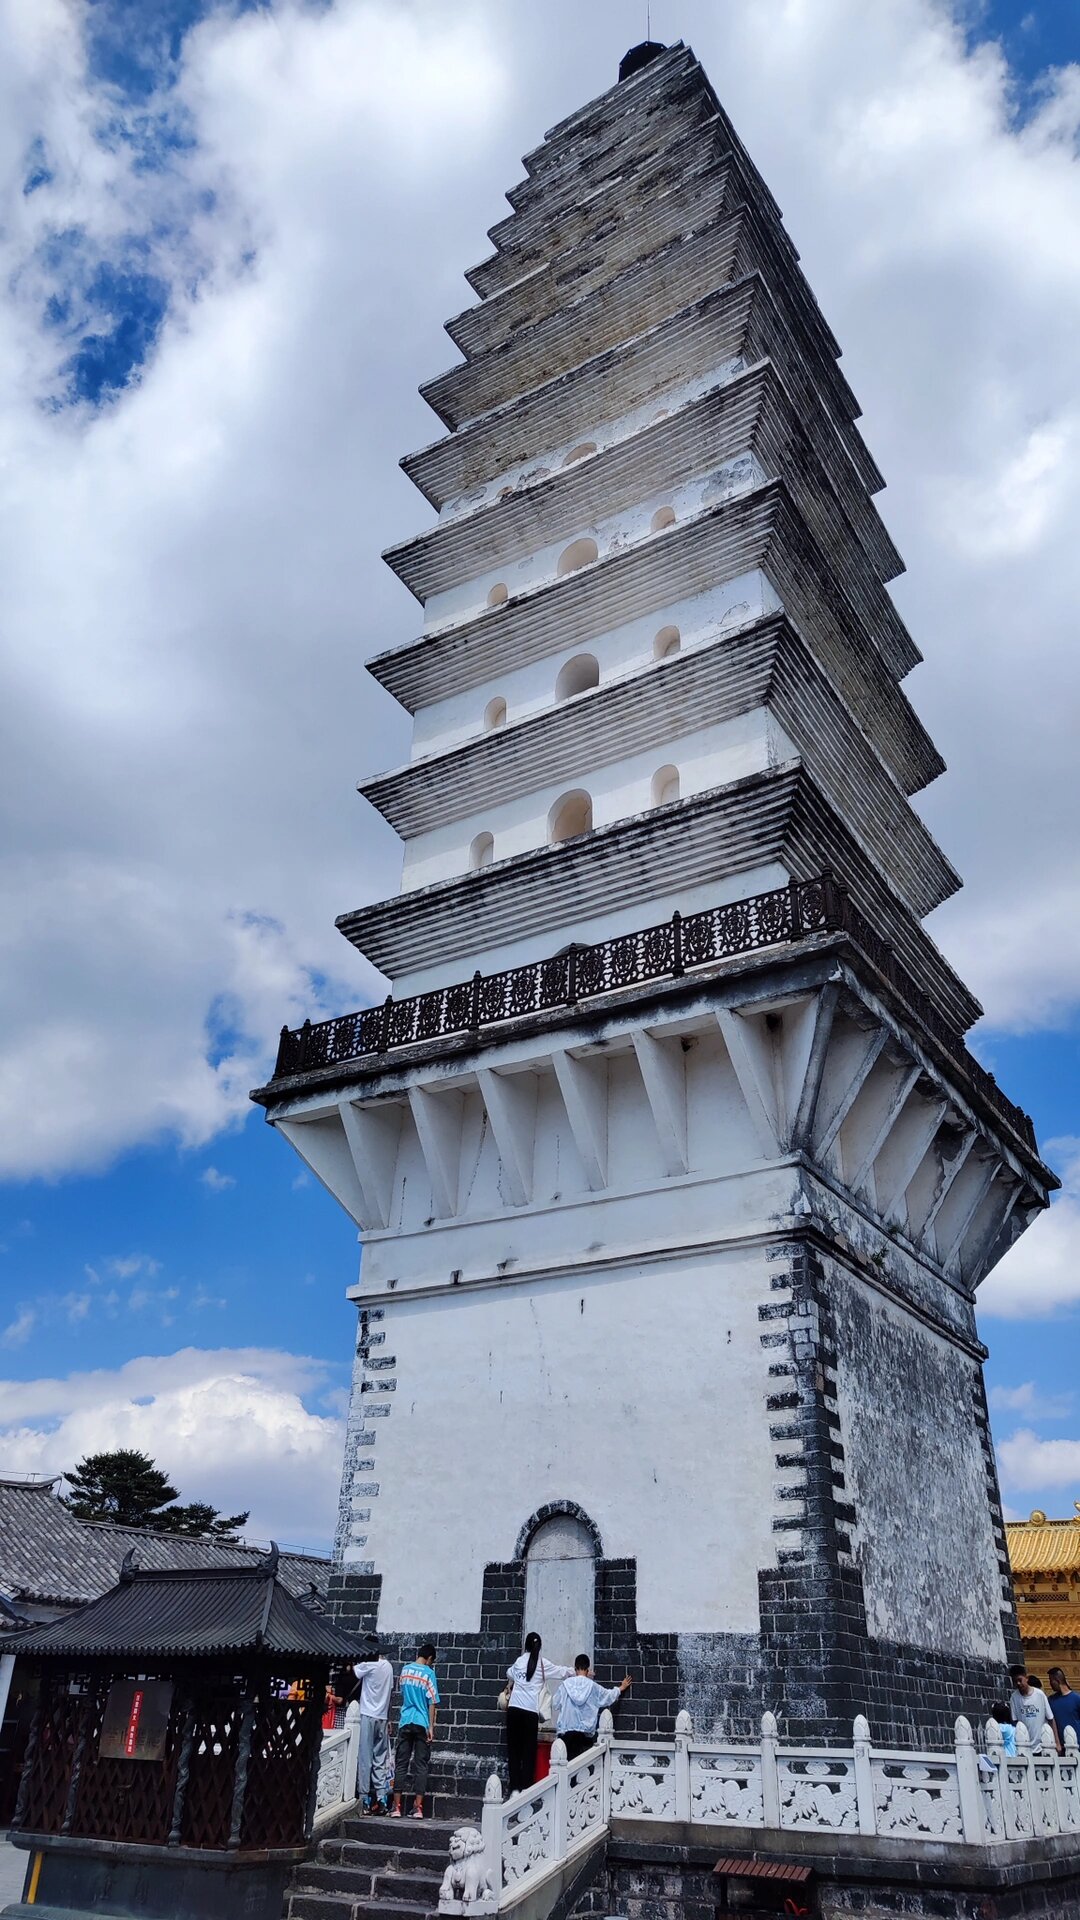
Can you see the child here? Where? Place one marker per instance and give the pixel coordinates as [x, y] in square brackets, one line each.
[1000, 1712]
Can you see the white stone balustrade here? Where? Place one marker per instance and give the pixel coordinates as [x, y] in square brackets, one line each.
[339, 1757]
[961, 1797]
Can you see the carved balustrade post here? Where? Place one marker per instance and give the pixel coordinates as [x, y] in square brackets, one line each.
[684, 1733]
[352, 1751]
[604, 1730]
[1025, 1817]
[560, 1768]
[1067, 1776]
[864, 1775]
[491, 1829]
[770, 1772]
[677, 968]
[993, 1783]
[967, 1785]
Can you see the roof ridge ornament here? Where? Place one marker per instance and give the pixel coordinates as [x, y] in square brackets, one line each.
[270, 1560]
[129, 1567]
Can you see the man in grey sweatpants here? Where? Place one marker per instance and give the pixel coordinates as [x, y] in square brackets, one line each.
[376, 1678]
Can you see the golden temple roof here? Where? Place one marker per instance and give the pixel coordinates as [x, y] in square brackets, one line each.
[1040, 1545]
[1038, 1623]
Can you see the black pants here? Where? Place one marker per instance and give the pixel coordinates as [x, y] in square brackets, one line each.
[577, 1743]
[521, 1731]
[411, 1756]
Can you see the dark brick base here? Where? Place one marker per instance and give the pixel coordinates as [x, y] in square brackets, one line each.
[813, 1665]
[669, 1882]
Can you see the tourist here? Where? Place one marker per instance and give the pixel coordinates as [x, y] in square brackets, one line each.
[1000, 1712]
[1064, 1705]
[416, 1731]
[578, 1705]
[1031, 1708]
[528, 1679]
[376, 1678]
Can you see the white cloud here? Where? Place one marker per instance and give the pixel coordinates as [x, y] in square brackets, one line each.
[1031, 1398]
[1041, 1273]
[126, 1266]
[217, 1182]
[229, 1426]
[1029, 1461]
[18, 1331]
[187, 710]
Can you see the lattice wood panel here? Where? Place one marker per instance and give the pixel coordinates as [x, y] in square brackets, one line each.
[123, 1799]
[48, 1772]
[275, 1804]
[208, 1803]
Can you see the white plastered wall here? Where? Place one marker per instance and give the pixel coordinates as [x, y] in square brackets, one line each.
[639, 1394]
[713, 756]
[530, 689]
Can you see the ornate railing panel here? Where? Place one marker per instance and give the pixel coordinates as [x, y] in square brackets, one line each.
[339, 1756]
[961, 1798]
[667, 951]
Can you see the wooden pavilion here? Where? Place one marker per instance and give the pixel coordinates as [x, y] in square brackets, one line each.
[172, 1764]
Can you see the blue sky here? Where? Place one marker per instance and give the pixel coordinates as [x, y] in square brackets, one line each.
[150, 1213]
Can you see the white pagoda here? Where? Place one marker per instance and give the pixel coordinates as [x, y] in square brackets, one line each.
[674, 1176]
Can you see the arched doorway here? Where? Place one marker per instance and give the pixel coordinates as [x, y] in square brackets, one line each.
[560, 1587]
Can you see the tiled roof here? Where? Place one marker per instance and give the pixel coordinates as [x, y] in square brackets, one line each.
[1038, 1623]
[48, 1556]
[1044, 1546]
[193, 1613]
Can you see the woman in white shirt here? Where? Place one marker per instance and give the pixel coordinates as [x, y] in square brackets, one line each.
[529, 1674]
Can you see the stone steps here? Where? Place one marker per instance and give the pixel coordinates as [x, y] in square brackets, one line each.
[372, 1869]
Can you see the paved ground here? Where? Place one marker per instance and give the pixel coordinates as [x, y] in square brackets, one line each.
[12, 1869]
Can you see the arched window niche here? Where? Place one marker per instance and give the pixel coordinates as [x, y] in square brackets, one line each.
[667, 642]
[561, 1547]
[498, 594]
[580, 553]
[495, 713]
[482, 851]
[665, 786]
[663, 517]
[570, 817]
[577, 676]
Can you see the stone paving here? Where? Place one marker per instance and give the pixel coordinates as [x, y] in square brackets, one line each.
[12, 1870]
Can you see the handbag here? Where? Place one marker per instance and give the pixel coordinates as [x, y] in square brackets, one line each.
[504, 1697]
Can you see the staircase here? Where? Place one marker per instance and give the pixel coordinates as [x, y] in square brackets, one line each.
[388, 1869]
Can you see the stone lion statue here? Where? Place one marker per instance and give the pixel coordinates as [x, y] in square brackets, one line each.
[466, 1884]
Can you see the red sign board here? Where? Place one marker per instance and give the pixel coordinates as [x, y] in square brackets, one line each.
[136, 1720]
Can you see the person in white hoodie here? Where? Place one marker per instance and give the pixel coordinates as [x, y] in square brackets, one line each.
[578, 1705]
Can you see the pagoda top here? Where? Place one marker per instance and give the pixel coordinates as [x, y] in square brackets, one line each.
[640, 56]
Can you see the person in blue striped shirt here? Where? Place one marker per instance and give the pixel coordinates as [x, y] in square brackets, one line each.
[416, 1731]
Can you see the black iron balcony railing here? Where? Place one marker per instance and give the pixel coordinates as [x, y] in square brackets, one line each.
[665, 952]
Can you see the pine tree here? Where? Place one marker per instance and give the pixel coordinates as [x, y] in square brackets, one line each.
[128, 1488]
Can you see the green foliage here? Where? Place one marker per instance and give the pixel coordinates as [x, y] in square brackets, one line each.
[126, 1487]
